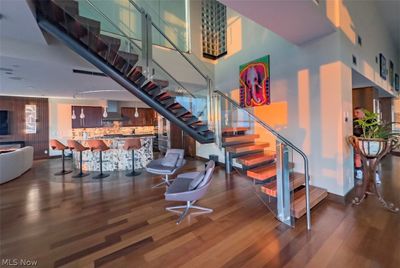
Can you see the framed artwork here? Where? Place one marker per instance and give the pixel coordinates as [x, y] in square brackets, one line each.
[396, 82]
[391, 74]
[382, 66]
[30, 119]
[255, 83]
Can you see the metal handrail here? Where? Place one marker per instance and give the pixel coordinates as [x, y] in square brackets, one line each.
[172, 43]
[285, 141]
[137, 46]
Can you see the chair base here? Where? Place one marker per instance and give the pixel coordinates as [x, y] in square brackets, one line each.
[165, 181]
[62, 172]
[184, 213]
[80, 175]
[101, 176]
[133, 174]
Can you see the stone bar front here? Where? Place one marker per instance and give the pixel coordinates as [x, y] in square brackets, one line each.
[116, 158]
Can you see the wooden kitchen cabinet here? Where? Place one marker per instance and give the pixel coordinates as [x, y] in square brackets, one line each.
[147, 117]
[93, 117]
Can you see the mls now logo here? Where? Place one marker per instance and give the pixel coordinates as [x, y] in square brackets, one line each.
[18, 262]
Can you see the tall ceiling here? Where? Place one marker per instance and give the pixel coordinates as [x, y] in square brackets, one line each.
[297, 21]
[390, 14]
[34, 64]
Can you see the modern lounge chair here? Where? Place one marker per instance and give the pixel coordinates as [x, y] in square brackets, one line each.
[190, 187]
[167, 166]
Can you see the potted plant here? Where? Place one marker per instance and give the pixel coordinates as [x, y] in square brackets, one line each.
[376, 135]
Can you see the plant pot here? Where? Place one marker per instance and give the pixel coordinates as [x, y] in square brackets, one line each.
[372, 148]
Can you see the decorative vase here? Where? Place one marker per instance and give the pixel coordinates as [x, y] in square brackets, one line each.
[372, 148]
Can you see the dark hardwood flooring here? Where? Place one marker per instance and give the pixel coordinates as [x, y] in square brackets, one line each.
[123, 223]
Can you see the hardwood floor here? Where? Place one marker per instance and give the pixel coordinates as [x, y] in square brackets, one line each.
[122, 222]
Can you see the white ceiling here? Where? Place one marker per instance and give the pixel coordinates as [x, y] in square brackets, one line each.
[390, 14]
[34, 64]
[359, 81]
[297, 21]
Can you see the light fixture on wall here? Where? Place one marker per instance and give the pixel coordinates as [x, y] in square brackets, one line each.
[105, 114]
[136, 113]
[73, 116]
[82, 115]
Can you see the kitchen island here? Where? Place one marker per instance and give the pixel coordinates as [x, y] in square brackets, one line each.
[116, 158]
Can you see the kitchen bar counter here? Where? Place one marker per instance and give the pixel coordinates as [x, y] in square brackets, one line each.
[117, 158]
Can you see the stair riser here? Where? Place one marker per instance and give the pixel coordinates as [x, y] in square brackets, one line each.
[236, 155]
[261, 164]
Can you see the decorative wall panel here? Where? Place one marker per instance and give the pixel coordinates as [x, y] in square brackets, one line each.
[213, 29]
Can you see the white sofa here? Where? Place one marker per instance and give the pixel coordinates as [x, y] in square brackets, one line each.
[14, 164]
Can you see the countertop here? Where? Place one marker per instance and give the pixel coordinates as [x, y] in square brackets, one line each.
[122, 137]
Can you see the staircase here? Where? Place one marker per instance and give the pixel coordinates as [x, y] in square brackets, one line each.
[288, 192]
[259, 164]
[62, 19]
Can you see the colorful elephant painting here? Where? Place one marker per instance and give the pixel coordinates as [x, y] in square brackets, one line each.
[254, 83]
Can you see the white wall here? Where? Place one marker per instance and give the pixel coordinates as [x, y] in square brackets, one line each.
[310, 87]
[356, 19]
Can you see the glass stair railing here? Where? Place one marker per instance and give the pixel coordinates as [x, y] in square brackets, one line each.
[113, 47]
[256, 150]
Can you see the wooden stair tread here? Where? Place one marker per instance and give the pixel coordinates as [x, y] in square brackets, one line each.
[241, 148]
[234, 129]
[299, 201]
[254, 159]
[249, 137]
[296, 180]
[264, 172]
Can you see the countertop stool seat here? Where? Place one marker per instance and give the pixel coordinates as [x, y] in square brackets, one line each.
[56, 145]
[132, 144]
[77, 147]
[99, 146]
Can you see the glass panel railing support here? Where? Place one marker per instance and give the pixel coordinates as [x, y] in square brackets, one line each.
[147, 45]
[283, 184]
[216, 103]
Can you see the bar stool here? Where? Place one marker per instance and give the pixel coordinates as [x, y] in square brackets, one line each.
[99, 146]
[132, 144]
[56, 145]
[77, 147]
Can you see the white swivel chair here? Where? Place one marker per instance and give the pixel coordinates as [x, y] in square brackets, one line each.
[190, 187]
[167, 166]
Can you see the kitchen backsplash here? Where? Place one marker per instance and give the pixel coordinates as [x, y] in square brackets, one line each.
[77, 133]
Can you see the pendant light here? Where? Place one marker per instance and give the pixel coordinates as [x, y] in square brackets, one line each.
[82, 115]
[105, 114]
[73, 114]
[136, 113]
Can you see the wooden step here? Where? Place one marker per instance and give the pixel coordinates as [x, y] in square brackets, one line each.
[254, 159]
[242, 148]
[296, 180]
[71, 7]
[264, 172]
[230, 130]
[242, 138]
[135, 73]
[161, 83]
[299, 201]
[163, 96]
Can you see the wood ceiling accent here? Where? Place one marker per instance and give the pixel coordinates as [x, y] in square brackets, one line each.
[16, 108]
